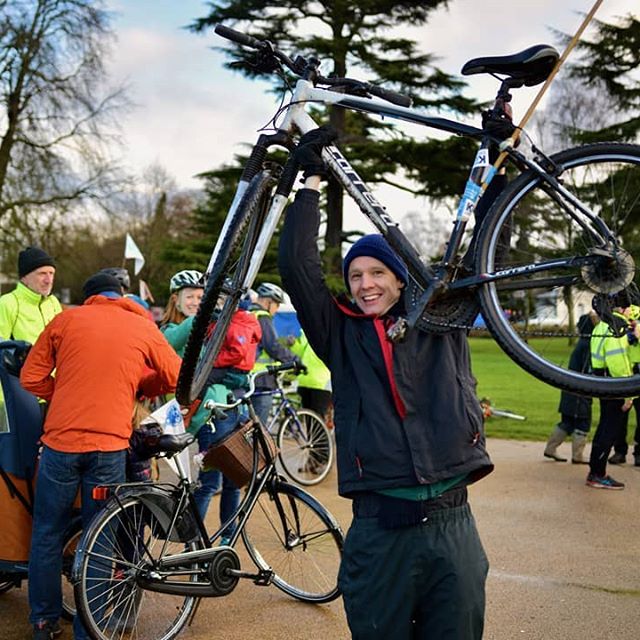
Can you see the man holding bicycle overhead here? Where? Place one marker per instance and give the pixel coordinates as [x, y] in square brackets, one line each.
[409, 435]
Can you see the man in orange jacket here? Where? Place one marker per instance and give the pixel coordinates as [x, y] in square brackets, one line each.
[101, 353]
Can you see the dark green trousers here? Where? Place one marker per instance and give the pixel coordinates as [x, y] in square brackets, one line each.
[421, 582]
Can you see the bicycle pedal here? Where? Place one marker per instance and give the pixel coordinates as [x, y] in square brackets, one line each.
[263, 578]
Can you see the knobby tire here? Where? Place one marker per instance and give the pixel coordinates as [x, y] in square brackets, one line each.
[204, 342]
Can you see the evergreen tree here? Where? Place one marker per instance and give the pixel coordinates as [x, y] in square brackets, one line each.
[359, 40]
[612, 59]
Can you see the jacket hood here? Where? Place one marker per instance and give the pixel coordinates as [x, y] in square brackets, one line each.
[126, 303]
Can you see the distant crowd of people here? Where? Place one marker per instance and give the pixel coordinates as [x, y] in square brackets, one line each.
[92, 364]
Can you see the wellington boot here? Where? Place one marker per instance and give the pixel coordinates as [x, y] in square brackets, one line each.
[578, 443]
[555, 440]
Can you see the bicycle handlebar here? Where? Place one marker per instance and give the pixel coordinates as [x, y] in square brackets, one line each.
[300, 65]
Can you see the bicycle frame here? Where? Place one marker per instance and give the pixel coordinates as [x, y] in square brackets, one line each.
[284, 406]
[183, 499]
[434, 277]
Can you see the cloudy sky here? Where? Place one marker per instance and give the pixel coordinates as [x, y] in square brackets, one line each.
[191, 114]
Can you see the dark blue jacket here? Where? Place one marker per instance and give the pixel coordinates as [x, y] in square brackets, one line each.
[405, 414]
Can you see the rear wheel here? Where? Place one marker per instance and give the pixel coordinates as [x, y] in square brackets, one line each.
[290, 533]
[532, 314]
[125, 540]
[306, 447]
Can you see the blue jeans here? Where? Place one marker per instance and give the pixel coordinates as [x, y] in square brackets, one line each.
[211, 481]
[60, 476]
[262, 405]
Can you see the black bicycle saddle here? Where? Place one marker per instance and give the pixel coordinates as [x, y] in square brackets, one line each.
[531, 66]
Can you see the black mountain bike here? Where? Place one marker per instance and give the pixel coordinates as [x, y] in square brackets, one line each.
[147, 559]
[564, 228]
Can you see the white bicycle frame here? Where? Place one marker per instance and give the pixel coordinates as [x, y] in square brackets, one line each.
[297, 118]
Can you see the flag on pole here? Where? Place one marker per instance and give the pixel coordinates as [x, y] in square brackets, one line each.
[145, 291]
[131, 251]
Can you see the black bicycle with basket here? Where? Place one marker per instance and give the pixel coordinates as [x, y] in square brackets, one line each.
[147, 558]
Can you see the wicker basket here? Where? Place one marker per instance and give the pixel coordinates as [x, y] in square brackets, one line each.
[233, 455]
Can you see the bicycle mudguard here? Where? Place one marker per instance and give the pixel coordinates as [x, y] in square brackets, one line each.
[163, 503]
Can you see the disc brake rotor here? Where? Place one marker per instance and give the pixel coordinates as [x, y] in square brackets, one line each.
[611, 272]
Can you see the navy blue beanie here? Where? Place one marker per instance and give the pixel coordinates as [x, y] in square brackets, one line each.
[374, 246]
[101, 283]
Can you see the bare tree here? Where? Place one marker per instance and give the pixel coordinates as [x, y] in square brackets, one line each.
[428, 230]
[57, 114]
[573, 107]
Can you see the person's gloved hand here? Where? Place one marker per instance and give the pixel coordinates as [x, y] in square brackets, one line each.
[308, 153]
[299, 367]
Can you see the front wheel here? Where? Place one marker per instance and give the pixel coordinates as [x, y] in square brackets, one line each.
[125, 539]
[531, 312]
[6, 585]
[291, 534]
[68, 554]
[306, 447]
[224, 289]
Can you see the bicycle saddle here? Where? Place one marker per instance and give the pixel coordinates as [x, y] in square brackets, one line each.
[531, 66]
[174, 443]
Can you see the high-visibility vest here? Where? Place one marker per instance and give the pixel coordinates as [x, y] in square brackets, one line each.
[317, 376]
[610, 353]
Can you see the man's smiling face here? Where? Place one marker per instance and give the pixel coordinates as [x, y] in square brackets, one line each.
[374, 287]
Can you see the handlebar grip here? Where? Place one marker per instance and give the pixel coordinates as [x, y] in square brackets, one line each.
[390, 96]
[283, 366]
[236, 36]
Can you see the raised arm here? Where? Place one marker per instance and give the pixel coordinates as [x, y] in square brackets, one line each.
[301, 271]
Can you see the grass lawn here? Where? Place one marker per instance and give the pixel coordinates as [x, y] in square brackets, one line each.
[512, 389]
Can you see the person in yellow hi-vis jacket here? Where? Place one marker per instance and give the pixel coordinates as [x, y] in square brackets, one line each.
[609, 357]
[314, 386]
[620, 446]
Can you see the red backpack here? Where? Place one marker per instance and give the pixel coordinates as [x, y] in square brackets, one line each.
[240, 344]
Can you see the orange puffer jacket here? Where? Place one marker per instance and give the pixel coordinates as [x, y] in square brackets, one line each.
[102, 352]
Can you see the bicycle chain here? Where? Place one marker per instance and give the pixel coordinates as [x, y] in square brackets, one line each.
[530, 333]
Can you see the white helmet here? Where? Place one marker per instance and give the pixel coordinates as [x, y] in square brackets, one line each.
[186, 278]
[269, 290]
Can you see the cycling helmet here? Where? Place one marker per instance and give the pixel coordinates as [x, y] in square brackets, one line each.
[269, 290]
[186, 278]
[120, 273]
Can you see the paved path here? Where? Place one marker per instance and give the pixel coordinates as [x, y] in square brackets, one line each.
[565, 563]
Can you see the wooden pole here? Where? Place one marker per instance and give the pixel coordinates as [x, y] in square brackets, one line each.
[510, 142]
